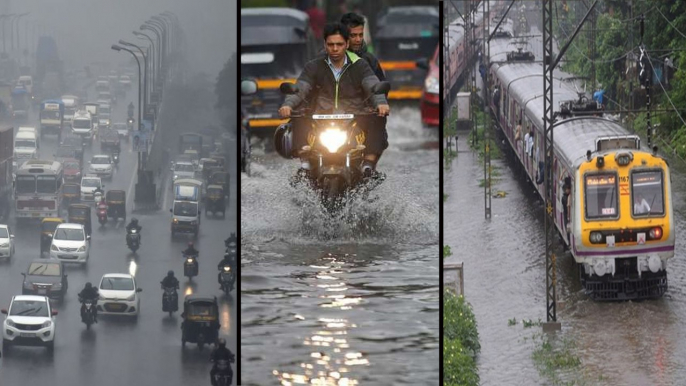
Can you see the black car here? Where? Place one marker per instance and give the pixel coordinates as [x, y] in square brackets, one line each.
[46, 278]
[75, 142]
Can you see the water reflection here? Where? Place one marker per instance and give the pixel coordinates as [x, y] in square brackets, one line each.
[331, 358]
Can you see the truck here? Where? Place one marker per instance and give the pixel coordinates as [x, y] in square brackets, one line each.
[20, 103]
[185, 208]
[6, 170]
[51, 117]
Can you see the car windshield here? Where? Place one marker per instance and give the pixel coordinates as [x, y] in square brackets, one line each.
[183, 168]
[104, 112]
[100, 160]
[186, 209]
[29, 308]
[69, 234]
[647, 193]
[25, 143]
[4, 234]
[116, 283]
[119, 126]
[71, 165]
[65, 152]
[601, 196]
[81, 124]
[90, 183]
[46, 184]
[44, 269]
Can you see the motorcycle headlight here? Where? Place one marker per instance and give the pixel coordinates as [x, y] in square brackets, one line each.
[176, 176]
[54, 248]
[45, 324]
[431, 85]
[333, 138]
[133, 231]
[189, 260]
[82, 249]
[227, 269]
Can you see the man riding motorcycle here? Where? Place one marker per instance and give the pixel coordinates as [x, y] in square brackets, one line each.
[191, 251]
[340, 81]
[221, 353]
[130, 110]
[230, 242]
[355, 24]
[89, 292]
[134, 225]
[229, 260]
[170, 280]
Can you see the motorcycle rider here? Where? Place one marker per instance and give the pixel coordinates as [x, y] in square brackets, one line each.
[340, 81]
[230, 261]
[89, 292]
[170, 281]
[102, 205]
[230, 242]
[221, 353]
[130, 109]
[191, 251]
[355, 24]
[134, 225]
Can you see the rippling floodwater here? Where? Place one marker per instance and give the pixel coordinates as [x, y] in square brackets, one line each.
[349, 300]
[630, 343]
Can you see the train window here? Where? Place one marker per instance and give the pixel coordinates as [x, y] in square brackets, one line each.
[647, 193]
[600, 192]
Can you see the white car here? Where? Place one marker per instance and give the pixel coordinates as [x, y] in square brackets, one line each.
[30, 321]
[101, 165]
[183, 169]
[70, 243]
[6, 242]
[118, 295]
[89, 183]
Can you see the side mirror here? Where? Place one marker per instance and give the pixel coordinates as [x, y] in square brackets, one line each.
[54, 312]
[288, 88]
[199, 213]
[11, 236]
[170, 210]
[248, 87]
[88, 237]
[423, 63]
[139, 290]
[381, 88]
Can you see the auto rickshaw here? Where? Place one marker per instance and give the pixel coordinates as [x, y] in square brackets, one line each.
[220, 178]
[116, 204]
[80, 214]
[200, 320]
[221, 161]
[214, 200]
[47, 228]
[71, 192]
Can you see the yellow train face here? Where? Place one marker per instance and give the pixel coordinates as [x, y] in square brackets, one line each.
[626, 208]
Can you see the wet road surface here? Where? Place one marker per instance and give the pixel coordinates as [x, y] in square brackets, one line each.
[353, 298]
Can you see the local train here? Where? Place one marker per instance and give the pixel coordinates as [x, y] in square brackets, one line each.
[618, 219]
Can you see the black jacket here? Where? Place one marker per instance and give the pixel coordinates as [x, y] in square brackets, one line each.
[86, 294]
[222, 353]
[170, 282]
[137, 227]
[372, 61]
[190, 252]
[318, 86]
[227, 260]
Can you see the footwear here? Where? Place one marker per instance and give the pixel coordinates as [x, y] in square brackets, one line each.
[367, 169]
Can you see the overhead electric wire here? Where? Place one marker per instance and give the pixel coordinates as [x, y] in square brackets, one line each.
[670, 23]
[663, 89]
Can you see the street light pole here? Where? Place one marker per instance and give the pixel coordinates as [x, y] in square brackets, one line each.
[153, 60]
[163, 47]
[119, 48]
[158, 64]
[145, 72]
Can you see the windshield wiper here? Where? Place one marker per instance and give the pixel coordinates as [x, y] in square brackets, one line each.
[27, 311]
[37, 268]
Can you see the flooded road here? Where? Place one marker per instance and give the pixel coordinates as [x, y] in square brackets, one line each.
[630, 343]
[352, 298]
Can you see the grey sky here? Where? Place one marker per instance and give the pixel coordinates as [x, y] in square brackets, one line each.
[85, 29]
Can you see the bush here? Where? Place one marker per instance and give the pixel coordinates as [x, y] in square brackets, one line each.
[460, 342]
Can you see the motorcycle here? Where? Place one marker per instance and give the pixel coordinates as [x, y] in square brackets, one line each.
[133, 240]
[115, 158]
[227, 279]
[89, 312]
[190, 266]
[224, 375]
[102, 214]
[337, 153]
[170, 300]
[129, 124]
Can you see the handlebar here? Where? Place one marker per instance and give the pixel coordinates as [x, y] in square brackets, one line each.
[304, 114]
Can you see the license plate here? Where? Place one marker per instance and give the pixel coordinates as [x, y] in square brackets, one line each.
[117, 306]
[42, 292]
[27, 335]
[35, 214]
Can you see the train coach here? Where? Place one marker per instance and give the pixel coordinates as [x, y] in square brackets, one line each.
[611, 196]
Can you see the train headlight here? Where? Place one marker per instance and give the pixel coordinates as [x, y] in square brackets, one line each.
[332, 139]
[600, 268]
[655, 233]
[654, 263]
[596, 237]
[624, 159]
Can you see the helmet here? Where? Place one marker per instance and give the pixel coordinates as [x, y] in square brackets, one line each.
[283, 141]
[134, 221]
[221, 342]
[170, 273]
[190, 244]
[89, 285]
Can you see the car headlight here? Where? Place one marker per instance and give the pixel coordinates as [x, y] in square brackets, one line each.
[596, 237]
[46, 324]
[333, 138]
[5, 245]
[227, 269]
[176, 176]
[57, 286]
[194, 222]
[54, 248]
[82, 249]
[131, 298]
[431, 85]
[175, 221]
[11, 323]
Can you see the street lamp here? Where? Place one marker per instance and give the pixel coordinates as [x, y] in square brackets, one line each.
[152, 56]
[163, 45]
[145, 73]
[119, 48]
[167, 27]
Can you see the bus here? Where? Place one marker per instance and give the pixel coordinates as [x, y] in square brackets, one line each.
[38, 188]
[190, 141]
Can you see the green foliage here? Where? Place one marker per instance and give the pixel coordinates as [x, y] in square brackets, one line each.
[460, 342]
[446, 251]
[553, 357]
[264, 3]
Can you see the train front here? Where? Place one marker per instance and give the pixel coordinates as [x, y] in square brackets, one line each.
[624, 230]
